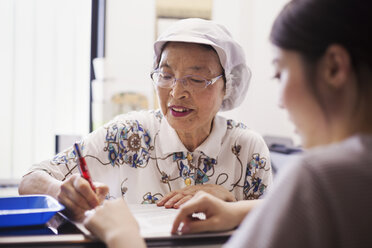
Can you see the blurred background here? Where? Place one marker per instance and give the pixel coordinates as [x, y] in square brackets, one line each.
[69, 66]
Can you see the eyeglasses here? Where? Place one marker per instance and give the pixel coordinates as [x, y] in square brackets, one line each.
[166, 80]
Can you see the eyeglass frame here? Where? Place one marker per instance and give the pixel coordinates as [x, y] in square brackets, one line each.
[208, 82]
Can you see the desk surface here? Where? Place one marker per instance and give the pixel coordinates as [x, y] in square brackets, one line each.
[63, 233]
[79, 240]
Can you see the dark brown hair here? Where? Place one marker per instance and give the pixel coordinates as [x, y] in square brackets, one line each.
[309, 27]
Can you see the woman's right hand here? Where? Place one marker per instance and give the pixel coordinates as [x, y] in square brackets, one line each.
[114, 224]
[220, 215]
[77, 196]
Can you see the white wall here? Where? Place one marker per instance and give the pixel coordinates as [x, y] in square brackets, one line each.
[6, 62]
[44, 68]
[130, 31]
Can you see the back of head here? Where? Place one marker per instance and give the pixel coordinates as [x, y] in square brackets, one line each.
[309, 27]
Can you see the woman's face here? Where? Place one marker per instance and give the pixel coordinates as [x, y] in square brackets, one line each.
[190, 110]
[296, 97]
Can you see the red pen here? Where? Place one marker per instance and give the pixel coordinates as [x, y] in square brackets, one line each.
[83, 166]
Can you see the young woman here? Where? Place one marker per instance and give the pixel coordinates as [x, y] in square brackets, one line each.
[323, 60]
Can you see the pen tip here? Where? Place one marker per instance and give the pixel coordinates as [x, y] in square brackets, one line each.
[77, 149]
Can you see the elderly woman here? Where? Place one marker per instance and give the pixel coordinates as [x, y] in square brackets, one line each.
[166, 156]
[323, 65]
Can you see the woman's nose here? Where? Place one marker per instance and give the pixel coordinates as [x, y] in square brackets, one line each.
[179, 89]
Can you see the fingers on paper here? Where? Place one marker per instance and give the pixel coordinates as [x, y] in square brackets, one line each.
[178, 197]
[182, 201]
[196, 225]
[175, 199]
[198, 204]
[166, 198]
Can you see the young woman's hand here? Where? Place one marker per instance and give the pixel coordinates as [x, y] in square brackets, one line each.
[220, 215]
[77, 196]
[114, 224]
[176, 198]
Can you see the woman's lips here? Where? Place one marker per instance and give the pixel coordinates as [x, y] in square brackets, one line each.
[179, 111]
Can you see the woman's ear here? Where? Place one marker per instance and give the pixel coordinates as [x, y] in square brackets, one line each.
[336, 66]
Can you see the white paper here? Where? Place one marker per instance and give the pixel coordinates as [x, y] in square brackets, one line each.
[154, 221]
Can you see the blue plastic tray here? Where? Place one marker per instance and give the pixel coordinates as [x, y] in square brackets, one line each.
[27, 210]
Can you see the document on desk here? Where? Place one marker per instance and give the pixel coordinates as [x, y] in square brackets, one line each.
[154, 221]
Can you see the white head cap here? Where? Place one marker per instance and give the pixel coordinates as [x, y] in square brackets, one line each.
[230, 53]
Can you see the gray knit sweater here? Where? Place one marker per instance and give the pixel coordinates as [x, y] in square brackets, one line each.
[324, 199]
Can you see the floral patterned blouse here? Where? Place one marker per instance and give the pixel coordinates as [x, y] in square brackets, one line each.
[140, 157]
